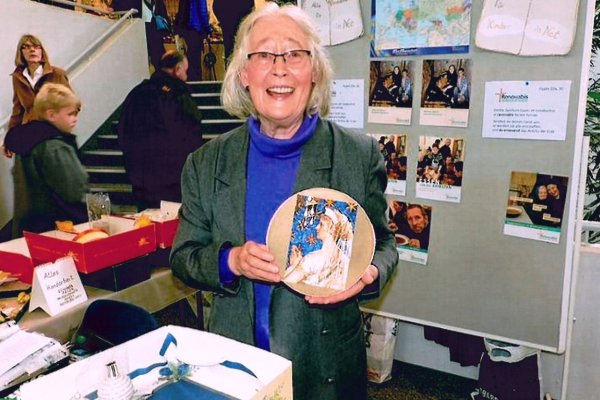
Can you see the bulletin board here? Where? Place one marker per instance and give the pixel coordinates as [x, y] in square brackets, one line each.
[477, 279]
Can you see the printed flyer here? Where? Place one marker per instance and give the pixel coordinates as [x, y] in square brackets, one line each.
[526, 110]
[391, 92]
[536, 205]
[440, 168]
[411, 224]
[393, 149]
[446, 97]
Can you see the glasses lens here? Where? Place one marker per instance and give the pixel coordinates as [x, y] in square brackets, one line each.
[30, 46]
[292, 57]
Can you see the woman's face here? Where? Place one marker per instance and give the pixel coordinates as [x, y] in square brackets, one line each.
[279, 91]
[32, 53]
[324, 228]
[451, 69]
[542, 193]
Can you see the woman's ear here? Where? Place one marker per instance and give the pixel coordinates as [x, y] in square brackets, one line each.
[243, 77]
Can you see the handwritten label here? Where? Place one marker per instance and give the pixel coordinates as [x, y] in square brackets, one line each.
[56, 287]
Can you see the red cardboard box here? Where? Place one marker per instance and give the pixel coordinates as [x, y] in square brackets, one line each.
[166, 222]
[15, 258]
[124, 243]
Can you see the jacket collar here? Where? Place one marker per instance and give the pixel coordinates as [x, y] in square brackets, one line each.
[47, 69]
[22, 139]
[316, 157]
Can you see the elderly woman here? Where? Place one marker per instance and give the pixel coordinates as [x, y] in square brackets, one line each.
[33, 70]
[279, 77]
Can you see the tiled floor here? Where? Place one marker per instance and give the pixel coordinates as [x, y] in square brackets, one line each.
[409, 382]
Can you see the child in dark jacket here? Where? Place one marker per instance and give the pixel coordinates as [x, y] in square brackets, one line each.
[50, 181]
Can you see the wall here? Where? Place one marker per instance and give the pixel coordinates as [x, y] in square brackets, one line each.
[102, 81]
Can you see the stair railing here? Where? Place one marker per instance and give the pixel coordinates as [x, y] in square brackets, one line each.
[87, 53]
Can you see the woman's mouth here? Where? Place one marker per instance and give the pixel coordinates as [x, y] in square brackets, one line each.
[280, 90]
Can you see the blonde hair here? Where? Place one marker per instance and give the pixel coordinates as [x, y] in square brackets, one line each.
[54, 96]
[236, 99]
[20, 61]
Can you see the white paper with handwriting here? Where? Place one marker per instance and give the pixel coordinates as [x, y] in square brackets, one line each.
[528, 27]
[338, 21]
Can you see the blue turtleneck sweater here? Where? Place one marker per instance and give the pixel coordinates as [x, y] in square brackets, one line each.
[271, 173]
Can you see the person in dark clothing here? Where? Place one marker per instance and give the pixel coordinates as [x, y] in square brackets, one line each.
[556, 199]
[417, 227]
[230, 14]
[158, 127]
[539, 207]
[50, 182]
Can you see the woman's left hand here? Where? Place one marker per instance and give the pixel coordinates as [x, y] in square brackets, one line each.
[366, 279]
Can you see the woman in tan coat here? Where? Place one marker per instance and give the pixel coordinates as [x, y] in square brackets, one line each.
[33, 70]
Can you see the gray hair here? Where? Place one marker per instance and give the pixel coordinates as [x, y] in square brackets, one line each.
[236, 99]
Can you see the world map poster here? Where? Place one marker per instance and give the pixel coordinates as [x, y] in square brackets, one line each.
[418, 27]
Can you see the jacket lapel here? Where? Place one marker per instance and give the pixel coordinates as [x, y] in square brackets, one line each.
[230, 185]
[315, 163]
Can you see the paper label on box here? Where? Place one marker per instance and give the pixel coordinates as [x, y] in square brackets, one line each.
[56, 287]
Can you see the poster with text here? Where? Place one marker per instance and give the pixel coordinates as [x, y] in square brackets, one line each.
[536, 205]
[348, 102]
[526, 110]
[391, 92]
[411, 224]
[446, 92]
[417, 27]
[440, 168]
[394, 149]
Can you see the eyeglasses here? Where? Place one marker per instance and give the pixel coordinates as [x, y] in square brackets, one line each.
[292, 57]
[31, 47]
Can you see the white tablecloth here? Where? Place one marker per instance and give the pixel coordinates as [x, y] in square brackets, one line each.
[205, 350]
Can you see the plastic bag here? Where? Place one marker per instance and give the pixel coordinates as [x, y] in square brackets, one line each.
[380, 340]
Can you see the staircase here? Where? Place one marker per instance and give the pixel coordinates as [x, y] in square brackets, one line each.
[103, 158]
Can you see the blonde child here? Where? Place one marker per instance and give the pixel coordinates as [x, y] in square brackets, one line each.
[50, 181]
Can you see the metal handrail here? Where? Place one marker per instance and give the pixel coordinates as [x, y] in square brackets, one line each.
[85, 53]
[83, 6]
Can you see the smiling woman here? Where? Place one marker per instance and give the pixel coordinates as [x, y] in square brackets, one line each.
[279, 78]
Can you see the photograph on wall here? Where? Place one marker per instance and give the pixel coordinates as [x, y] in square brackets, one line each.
[446, 88]
[536, 205]
[394, 151]
[411, 224]
[321, 242]
[420, 27]
[440, 168]
[391, 92]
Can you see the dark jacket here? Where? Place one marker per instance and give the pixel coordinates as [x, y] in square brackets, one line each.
[23, 93]
[50, 182]
[158, 127]
[325, 344]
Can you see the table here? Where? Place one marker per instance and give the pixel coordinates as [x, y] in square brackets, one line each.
[522, 218]
[221, 364]
[154, 294]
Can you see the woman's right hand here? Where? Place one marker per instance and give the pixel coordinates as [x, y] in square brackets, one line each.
[254, 261]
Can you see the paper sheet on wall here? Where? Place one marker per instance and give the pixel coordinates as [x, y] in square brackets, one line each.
[338, 21]
[526, 110]
[528, 27]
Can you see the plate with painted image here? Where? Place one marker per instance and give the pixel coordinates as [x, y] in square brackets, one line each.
[323, 241]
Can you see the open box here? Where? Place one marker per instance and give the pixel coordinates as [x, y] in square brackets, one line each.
[124, 243]
[166, 221]
[15, 258]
